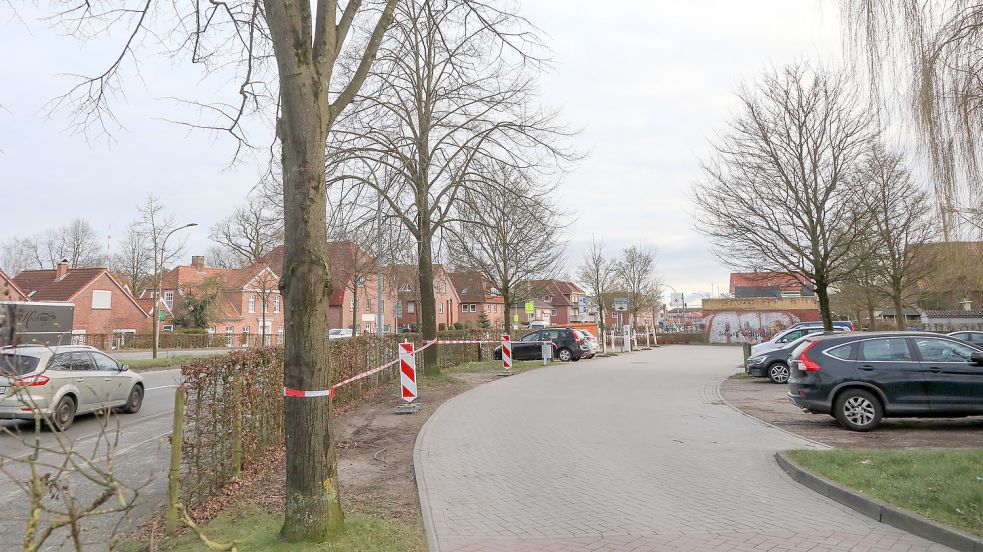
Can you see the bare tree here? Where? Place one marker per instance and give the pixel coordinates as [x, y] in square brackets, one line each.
[900, 214]
[635, 275]
[221, 257]
[777, 193]
[930, 56]
[596, 273]
[76, 242]
[17, 254]
[134, 259]
[508, 232]
[446, 101]
[251, 231]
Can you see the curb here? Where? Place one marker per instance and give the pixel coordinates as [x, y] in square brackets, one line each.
[812, 442]
[880, 511]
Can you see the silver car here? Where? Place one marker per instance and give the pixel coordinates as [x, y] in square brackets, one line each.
[60, 382]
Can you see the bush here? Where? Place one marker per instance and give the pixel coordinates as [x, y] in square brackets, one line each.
[441, 327]
[459, 325]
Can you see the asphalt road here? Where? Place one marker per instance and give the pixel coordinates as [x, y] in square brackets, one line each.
[135, 355]
[140, 454]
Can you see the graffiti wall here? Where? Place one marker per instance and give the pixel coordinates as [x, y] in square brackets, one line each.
[746, 327]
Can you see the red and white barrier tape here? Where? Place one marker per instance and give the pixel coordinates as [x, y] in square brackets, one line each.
[288, 392]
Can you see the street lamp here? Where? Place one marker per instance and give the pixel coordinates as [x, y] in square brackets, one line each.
[158, 261]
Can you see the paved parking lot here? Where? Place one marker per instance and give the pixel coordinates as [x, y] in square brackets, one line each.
[766, 401]
[636, 452]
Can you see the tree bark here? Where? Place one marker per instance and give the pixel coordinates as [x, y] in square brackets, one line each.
[822, 292]
[873, 323]
[313, 503]
[428, 300]
[900, 320]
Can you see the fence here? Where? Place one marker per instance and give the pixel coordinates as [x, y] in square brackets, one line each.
[234, 409]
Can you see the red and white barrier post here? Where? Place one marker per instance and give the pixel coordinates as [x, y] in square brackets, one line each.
[407, 379]
[506, 356]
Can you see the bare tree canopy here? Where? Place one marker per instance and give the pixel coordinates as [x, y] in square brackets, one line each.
[597, 274]
[777, 193]
[930, 54]
[134, 259]
[900, 219]
[635, 276]
[509, 232]
[250, 232]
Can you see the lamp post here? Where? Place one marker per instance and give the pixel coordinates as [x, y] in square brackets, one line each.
[158, 261]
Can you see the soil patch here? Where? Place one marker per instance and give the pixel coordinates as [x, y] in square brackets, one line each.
[767, 402]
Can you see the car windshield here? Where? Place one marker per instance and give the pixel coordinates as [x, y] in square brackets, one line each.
[17, 364]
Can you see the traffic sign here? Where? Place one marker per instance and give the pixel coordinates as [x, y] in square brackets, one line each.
[621, 304]
[530, 308]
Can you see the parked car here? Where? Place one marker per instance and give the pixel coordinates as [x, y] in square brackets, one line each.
[595, 347]
[841, 323]
[63, 382]
[785, 337]
[862, 378]
[568, 345]
[774, 364]
[976, 338]
[339, 333]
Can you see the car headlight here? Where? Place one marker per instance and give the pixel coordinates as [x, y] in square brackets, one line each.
[755, 360]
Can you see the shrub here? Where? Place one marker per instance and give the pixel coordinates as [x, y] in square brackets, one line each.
[459, 326]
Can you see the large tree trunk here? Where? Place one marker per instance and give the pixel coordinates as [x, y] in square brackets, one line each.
[428, 300]
[313, 505]
[870, 315]
[822, 292]
[902, 322]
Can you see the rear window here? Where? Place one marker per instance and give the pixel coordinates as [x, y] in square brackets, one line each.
[17, 365]
[798, 350]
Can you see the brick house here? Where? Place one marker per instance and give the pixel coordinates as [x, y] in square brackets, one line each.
[477, 295]
[405, 280]
[103, 304]
[354, 298]
[555, 302]
[9, 291]
[247, 302]
[756, 284]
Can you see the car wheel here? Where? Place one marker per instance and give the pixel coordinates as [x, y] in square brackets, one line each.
[63, 414]
[564, 354]
[134, 401]
[858, 410]
[778, 372]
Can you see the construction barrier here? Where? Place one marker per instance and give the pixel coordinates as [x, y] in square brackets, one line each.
[506, 353]
[407, 372]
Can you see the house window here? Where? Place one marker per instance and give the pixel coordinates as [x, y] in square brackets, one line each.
[552, 312]
[368, 305]
[276, 303]
[440, 308]
[169, 299]
[102, 299]
[245, 330]
[229, 330]
[474, 307]
[168, 327]
[411, 307]
[279, 335]
[382, 305]
[351, 305]
[252, 303]
[464, 308]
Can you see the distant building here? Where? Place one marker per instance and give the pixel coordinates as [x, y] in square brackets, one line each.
[103, 304]
[9, 291]
[756, 319]
[405, 280]
[477, 295]
[766, 284]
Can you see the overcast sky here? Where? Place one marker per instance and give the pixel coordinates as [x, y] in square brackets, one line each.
[648, 82]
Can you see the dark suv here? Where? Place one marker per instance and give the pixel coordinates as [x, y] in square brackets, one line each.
[567, 345]
[861, 378]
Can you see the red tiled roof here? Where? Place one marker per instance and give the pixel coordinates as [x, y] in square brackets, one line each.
[9, 290]
[41, 285]
[472, 287]
[786, 281]
[345, 259]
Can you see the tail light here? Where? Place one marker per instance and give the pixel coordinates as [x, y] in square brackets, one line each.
[808, 364]
[32, 381]
[576, 337]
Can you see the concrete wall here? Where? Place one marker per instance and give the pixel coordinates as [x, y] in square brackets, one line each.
[755, 319]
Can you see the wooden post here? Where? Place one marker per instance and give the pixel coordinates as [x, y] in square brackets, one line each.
[174, 475]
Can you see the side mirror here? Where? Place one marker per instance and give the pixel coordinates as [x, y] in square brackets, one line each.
[124, 367]
[976, 359]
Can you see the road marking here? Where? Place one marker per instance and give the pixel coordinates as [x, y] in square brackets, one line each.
[161, 387]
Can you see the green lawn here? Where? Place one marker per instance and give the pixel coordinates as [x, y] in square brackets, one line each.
[944, 485]
[495, 366]
[160, 362]
[253, 528]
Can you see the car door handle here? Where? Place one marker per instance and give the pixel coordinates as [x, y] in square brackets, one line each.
[867, 368]
[935, 369]
[80, 380]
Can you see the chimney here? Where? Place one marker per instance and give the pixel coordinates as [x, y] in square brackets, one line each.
[967, 305]
[61, 269]
[198, 261]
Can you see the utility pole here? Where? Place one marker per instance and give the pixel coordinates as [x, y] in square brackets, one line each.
[158, 261]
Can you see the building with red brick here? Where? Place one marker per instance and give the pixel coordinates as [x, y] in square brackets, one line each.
[405, 280]
[477, 296]
[103, 305]
[761, 284]
[354, 301]
[9, 291]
